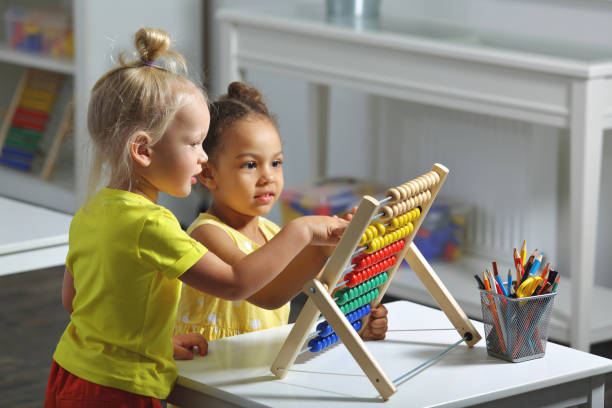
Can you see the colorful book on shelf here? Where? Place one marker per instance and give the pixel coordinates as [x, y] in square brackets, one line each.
[27, 118]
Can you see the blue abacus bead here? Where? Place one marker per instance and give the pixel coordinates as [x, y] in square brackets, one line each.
[327, 342]
[368, 309]
[364, 310]
[325, 330]
[335, 338]
[357, 325]
[314, 345]
[321, 326]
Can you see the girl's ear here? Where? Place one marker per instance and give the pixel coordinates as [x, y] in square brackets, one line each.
[140, 149]
[206, 177]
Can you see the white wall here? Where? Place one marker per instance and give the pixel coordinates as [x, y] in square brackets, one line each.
[513, 172]
[103, 28]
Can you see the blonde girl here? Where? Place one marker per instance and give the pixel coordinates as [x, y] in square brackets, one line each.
[244, 175]
[127, 255]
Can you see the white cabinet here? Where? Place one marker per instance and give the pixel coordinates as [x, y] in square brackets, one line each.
[554, 82]
[101, 30]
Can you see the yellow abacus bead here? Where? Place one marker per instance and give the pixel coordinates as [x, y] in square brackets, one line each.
[410, 227]
[394, 223]
[380, 227]
[363, 239]
[410, 216]
[370, 233]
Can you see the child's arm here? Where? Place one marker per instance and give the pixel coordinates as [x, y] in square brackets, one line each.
[211, 274]
[68, 290]
[282, 288]
[305, 266]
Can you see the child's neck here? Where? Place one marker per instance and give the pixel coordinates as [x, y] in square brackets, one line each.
[136, 188]
[247, 225]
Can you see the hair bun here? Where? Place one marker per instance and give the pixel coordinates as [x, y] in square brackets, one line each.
[151, 43]
[247, 95]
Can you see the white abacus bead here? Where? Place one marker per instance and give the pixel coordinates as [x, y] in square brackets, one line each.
[423, 183]
[387, 211]
[394, 194]
[414, 188]
[430, 179]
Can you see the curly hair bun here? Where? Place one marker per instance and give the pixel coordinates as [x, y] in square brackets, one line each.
[247, 95]
[151, 43]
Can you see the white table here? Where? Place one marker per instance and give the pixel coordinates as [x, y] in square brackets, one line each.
[528, 79]
[236, 372]
[32, 237]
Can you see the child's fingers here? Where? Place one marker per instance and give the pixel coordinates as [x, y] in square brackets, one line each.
[182, 353]
[184, 345]
[379, 311]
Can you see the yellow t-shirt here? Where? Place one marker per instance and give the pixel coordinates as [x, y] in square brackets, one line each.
[125, 254]
[216, 318]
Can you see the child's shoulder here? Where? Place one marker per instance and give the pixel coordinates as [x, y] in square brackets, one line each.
[110, 205]
[206, 219]
[268, 225]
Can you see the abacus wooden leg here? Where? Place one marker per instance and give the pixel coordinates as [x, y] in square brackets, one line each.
[442, 296]
[291, 347]
[351, 339]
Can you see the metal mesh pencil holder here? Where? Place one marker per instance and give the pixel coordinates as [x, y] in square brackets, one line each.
[516, 329]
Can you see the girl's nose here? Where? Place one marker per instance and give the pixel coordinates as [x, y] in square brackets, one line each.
[266, 176]
[203, 157]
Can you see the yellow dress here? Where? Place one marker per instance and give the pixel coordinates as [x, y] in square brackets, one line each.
[216, 318]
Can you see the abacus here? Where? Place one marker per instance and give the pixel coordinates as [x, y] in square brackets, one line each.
[378, 237]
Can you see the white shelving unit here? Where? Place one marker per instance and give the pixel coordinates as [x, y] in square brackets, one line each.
[11, 56]
[59, 192]
[97, 44]
[45, 241]
[554, 83]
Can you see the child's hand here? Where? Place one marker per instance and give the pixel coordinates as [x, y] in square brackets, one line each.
[185, 344]
[377, 325]
[329, 249]
[348, 215]
[325, 230]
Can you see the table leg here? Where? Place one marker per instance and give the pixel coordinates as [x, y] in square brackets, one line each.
[596, 397]
[586, 142]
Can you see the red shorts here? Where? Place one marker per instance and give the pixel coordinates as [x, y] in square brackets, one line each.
[65, 390]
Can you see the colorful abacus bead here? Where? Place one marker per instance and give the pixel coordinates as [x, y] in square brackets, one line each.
[369, 259]
[320, 343]
[324, 328]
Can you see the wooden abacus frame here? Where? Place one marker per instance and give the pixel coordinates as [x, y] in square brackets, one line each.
[411, 194]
